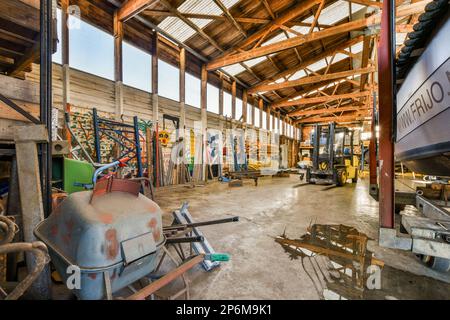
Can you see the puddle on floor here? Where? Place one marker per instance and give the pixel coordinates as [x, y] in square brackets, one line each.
[339, 265]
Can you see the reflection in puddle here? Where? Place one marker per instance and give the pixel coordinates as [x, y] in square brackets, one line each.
[339, 265]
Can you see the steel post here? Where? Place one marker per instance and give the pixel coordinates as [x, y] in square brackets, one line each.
[386, 112]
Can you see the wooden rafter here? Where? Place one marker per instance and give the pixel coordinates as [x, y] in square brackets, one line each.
[316, 112]
[367, 46]
[330, 51]
[368, 3]
[301, 40]
[26, 60]
[357, 116]
[157, 13]
[133, 7]
[294, 12]
[303, 93]
[320, 99]
[230, 17]
[312, 79]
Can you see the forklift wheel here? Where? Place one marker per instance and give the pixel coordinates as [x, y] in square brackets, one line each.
[341, 178]
[355, 179]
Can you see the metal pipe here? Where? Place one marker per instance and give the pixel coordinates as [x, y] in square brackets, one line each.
[39, 250]
[9, 228]
[200, 224]
[386, 112]
[185, 239]
[137, 143]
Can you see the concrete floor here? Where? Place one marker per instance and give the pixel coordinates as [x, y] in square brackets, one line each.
[260, 269]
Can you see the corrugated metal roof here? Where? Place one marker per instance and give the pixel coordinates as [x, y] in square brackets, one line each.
[334, 13]
[180, 30]
[255, 61]
[234, 69]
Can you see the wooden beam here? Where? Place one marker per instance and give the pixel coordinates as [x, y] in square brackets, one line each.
[291, 43]
[297, 94]
[221, 94]
[244, 106]
[118, 38]
[301, 40]
[312, 79]
[20, 13]
[155, 56]
[155, 98]
[133, 7]
[306, 63]
[230, 17]
[365, 60]
[323, 111]
[157, 13]
[322, 99]
[233, 100]
[26, 60]
[368, 3]
[300, 8]
[182, 89]
[344, 118]
[204, 119]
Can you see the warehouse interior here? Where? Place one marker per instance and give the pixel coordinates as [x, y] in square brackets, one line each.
[224, 149]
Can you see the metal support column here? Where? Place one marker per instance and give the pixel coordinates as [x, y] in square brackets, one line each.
[386, 113]
[373, 189]
[46, 49]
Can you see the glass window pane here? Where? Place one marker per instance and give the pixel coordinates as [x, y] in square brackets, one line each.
[213, 98]
[137, 67]
[238, 109]
[168, 81]
[227, 104]
[257, 114]
[264, 120]
[57, 56]
[91, 49]
[193, 88]
[249, 113]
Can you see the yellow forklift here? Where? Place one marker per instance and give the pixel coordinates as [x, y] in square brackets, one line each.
[333, 159]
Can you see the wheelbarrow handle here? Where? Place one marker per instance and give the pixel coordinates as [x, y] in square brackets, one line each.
[121, 162]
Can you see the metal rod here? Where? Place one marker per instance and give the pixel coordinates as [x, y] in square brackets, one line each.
[199, 224]
[185, 239]
[137, 146]
[96, 136]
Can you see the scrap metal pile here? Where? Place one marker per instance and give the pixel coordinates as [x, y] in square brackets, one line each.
[37, 251]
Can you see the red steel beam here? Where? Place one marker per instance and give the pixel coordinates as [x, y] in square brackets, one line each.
[373, 151]
[386, 107]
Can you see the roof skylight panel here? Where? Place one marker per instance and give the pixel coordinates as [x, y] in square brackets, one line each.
[177, 28]
[279, 37]
[234, 69]
[334, 13]
[255, 61]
